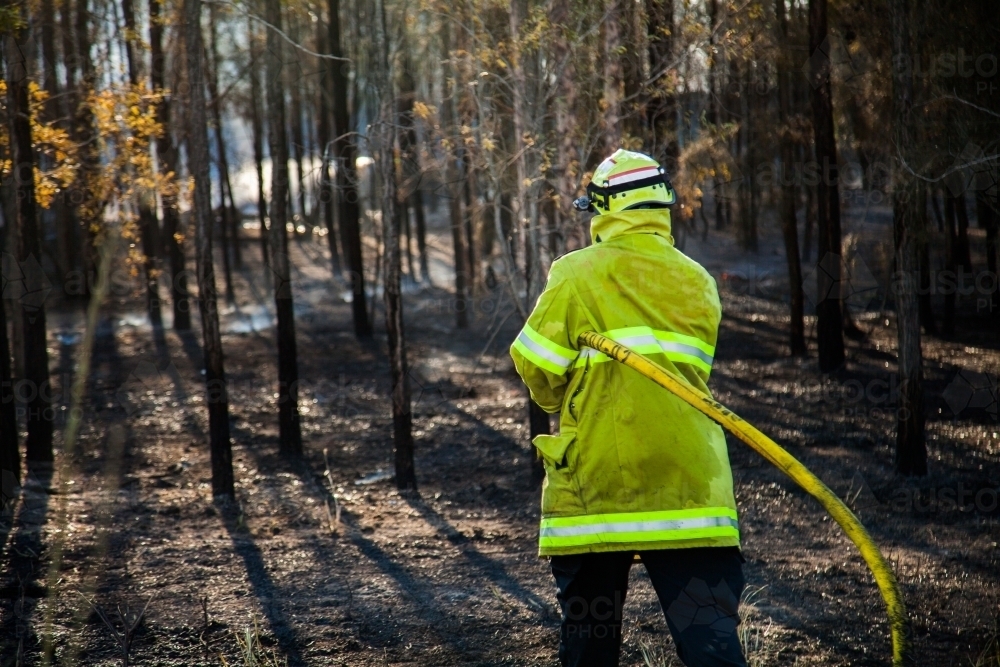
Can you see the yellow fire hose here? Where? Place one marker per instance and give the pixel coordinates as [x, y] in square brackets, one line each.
[771, 451]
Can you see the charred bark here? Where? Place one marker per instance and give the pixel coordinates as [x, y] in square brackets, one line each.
[829, 327]
[402, 417]
[345, 153]
[10, 455]
[257, 124]
[455, 202]
[789, 224]
[149, 231]
[197, 148]
[166, 153]
[410, 156]
[288, 373]
[29, 251]
[911, 449]
[323, 133]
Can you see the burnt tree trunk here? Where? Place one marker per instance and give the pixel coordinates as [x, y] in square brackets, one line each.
[288, 373]
[926, 307]
[148, 226]
[951, 265]
[613, 75]
[54, 110]
[410, 155]
[829, 326]
[661, 110]
[230, 216]
[166, 153]
[990, 221]
[257, 123]
[789, 225]
[10, 455]
[402, 416]
[197, 149]
[453, 179]
[345, 153]
[323, 135]
[911, 449]
[298, 139]
[29, 251]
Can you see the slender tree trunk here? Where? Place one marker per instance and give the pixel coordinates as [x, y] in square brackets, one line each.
[298, 139]
[926, 306]
[829, 327]
[345, 152]
[288, 373]
[453, 179]
[148, 225]
[166, 153]
[402, 415]
[91, 210]
[661, 110]
[420, 228]
[225, 226]
[10, 455]
[789, 225]
[936, 207]
[323, 131]
[65, 222]
[525, 209]
[29, 252]
[411, 164]
[257, 123]
[963, 253]
[714, 112]
[911, 450]
[750, 192]
[230, 215]
[567, 150]
[989, 220]
[951, 264]
[613, 75]
[810, 213]
[468, 215]
[197, 149]
[70, 60]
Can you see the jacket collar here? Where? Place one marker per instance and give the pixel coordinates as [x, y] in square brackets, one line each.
[648, 221]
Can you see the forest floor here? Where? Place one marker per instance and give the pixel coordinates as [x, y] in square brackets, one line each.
[450, 575]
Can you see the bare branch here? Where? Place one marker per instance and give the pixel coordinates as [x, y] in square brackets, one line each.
[276, 30]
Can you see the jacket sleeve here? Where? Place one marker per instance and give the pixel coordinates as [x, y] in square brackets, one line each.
[544, 351]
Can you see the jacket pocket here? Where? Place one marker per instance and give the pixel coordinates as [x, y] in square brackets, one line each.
[560, 492]
[553, 448]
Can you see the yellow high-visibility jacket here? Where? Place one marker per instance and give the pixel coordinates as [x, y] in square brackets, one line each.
[633, 467]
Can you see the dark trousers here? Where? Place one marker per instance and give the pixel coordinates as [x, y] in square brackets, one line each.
[699, 591]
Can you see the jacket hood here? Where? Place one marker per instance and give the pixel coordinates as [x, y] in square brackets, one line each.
[644, 221]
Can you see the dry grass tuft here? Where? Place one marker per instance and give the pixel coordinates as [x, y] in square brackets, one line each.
[252, 652]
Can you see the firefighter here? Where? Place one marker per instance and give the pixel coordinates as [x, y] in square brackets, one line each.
[634, 472]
